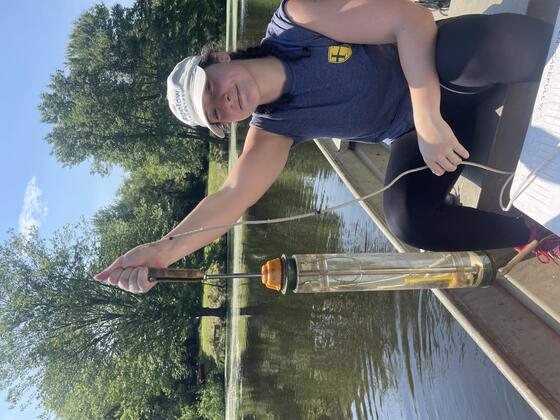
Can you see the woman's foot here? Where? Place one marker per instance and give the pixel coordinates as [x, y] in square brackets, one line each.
[548, 247]
[548, 250]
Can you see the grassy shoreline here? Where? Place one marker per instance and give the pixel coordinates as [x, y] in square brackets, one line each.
[212, 329]
[213, 333]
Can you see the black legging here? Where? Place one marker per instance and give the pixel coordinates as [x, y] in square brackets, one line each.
[472, 52]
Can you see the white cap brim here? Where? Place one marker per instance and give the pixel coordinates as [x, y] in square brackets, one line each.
[185, 91]
[197, 93]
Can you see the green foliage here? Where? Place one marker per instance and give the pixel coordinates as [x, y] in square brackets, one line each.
[189, 413]
[146, 210]
[211, 405]
[180, 194]
[109, 104]
[218, 152]
[215, 256]
[91, 349]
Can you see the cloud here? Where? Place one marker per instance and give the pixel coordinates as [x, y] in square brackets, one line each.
[34, 210]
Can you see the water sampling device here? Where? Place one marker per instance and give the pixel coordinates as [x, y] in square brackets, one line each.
[319, 273]
[323, 273]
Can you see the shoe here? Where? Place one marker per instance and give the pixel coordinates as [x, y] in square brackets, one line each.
[548, 248]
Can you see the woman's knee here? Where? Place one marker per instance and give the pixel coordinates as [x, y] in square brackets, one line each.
[408, 226]
[457, 42]
[481, 50]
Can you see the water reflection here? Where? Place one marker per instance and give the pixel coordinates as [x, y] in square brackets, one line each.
[355, 355]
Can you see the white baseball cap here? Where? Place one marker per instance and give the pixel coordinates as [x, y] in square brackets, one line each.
[185, 88]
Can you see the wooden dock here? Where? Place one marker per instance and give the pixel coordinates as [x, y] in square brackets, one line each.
[516, 322]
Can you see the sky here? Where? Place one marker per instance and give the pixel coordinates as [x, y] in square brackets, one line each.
[37, 190]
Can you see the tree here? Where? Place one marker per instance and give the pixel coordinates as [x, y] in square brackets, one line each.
[91, 349]
[181, 195]
[146, 209]
[109, 104]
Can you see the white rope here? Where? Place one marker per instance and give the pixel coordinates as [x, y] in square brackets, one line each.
[331, 209]
[526, 181]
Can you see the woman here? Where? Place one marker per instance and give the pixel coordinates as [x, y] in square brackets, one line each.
[331, 68]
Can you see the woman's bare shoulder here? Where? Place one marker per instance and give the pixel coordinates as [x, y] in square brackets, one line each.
[354, 21]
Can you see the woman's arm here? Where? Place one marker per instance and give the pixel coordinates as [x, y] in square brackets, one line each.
[413, 28]
[261, 162]
[263, 158]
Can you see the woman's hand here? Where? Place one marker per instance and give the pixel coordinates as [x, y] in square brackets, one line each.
[439, 147]
[130, 271]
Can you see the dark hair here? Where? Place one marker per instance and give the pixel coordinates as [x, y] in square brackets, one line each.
[260, 51]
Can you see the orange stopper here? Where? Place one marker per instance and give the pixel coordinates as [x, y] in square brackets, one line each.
[272, 274]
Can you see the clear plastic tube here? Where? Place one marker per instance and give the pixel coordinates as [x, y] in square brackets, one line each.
[317, 273]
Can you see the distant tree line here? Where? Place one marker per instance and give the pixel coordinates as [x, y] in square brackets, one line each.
[90, 350]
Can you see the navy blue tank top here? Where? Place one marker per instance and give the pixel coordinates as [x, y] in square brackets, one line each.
[347, 91]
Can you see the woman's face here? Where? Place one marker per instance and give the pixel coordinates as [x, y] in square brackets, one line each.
[231, 92]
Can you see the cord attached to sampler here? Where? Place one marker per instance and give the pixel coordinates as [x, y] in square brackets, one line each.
[332, 209]
[526, 182]
[523, 186]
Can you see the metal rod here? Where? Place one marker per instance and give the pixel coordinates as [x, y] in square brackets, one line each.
[231, 276]
[174, 280]
[169, 279]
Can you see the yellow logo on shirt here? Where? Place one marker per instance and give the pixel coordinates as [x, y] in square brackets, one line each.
[339, 53]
